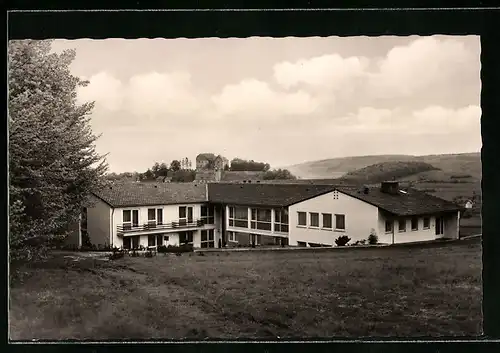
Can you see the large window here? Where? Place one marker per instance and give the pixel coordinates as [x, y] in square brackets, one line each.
[414, 223]
[207, 238]
[185, 215]
[207, 214]
[261, 219]
[340, 221]
[439, 225]
[314, 219]
[301, 219]
[327, 220]
[238, 217]
[155, 240]
[281, 220]
[402, 225]
[186, 238]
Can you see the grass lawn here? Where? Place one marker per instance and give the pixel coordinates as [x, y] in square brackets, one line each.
[425, 290]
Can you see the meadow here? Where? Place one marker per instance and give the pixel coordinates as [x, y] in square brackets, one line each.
[431, 290]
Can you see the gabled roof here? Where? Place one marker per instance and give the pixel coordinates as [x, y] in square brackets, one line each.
[264, 194]
[149, 194]
[207, 156]
[410, 202]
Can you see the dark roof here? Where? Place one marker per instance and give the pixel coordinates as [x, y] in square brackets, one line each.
[207, 156]
[148, 194]
[279, 195]
[408, 203]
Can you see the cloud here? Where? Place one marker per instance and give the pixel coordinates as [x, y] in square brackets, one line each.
[425, 63]
[255, 99]
[432, 120]
[331, 71]
[150, 94]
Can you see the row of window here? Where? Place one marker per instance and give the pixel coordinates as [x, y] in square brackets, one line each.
[155, 215]
[326, 220]
[389, 224]
[260, 218]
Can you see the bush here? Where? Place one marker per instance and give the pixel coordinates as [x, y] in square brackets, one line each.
[359, 242]
[373, 238]
[342, 240]
[171, 249]
[148, 253]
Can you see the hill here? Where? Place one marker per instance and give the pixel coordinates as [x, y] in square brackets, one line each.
[376, 173]
[449, 165]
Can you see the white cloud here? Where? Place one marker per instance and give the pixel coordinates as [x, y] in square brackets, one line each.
[255, 99]
[147, 95]
[432, 120]
[331, 71]
[425, 63]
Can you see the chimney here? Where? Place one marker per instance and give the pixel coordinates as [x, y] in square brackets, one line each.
[390, 187]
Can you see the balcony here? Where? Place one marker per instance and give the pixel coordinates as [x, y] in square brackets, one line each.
[153, 226]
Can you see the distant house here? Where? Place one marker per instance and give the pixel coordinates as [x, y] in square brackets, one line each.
[225, 214]
[469, 204]
[209, 161]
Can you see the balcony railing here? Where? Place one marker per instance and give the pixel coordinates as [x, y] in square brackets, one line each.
[153, 225]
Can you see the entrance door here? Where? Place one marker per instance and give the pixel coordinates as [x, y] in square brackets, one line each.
[135, 218]
[439, 226]
[135, 242]
[159, 240]
[190, 214]
[126, 242]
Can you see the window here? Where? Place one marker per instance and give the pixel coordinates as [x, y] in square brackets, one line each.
[340, 221]
[186, 237]
[281, 220]
[414, 223]
[402, 225]
[302, 219]
[314, 218]
[207, 214]
[207, 239]
[159, 216]
[166, 238]
[261, 219]
[130, 219]
[151, 214]
[182, 212]
[427, 222]
[389, 226]
[327, 221]
[231, 236]
[439, 226]
[151, 240]
[238, 217]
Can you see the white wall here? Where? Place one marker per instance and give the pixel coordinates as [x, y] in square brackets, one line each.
[170, 214]
[99, 222]
[360, 218]
[450, 230]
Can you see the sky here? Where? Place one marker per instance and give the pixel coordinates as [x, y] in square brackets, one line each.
[279, 100]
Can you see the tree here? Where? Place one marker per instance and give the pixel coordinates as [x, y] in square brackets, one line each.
[175, 166]
[162, 170]
[279, 174]
[53, 164]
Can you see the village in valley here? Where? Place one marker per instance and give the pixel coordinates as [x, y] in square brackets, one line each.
[274, 228]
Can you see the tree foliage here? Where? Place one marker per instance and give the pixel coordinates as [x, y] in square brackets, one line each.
[52, 159]
[238, 164]
[175, 165]
[279, 174]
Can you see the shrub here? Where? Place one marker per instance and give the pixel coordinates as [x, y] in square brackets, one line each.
[148, 253]
[342, 240]
[373, 238]
[359, 242]
[175, 249]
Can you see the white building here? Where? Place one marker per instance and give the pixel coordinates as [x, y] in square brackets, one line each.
[220, 214]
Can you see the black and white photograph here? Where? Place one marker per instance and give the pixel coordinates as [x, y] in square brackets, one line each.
[252, 188]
